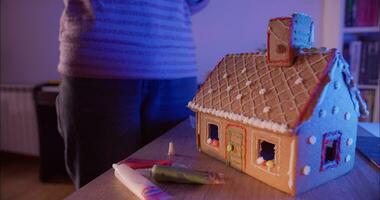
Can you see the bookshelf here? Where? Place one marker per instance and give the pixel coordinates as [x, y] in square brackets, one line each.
[367, 29]
[358, 38]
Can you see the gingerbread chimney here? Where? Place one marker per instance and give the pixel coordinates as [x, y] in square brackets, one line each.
[286, 35]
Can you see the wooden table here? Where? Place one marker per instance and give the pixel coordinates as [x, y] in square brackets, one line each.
[363, 182]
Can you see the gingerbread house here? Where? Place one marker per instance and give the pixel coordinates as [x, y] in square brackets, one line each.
[287, 116]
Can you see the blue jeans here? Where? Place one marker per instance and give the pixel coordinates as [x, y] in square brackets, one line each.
[104, 121]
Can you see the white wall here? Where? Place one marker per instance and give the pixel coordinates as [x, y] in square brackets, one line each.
[29, 33]
[29, 40]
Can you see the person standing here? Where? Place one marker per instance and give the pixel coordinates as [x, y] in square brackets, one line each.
[128, 70]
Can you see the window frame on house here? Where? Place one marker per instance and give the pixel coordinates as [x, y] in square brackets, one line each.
[257, 140]
[260, 143]
[209, 132]
[334, 139]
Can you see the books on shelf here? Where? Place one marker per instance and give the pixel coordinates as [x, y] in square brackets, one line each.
[364, 58]
[369, 96]
[369, 63]
[361, 13]
[355, 54]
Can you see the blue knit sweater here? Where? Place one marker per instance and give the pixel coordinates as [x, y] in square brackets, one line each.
[144, 39]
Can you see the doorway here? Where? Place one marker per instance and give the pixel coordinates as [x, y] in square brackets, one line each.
[235, 147]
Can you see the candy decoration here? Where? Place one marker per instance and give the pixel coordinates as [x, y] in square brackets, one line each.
[260, 160]
[215, 143]
[306, 170]
[350, 141]
[312, 140]
[230, 147]
[262, 91]
[348, 158]
[322, 113]
[229, 88]
[269, 164]
[335, 110]
[347, 116]
[248, 83]
[266, 109]
[298, 81]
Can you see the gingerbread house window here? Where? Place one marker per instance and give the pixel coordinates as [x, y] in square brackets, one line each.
[267, 150]
[213, 135]
[330, 150]
[266, 154]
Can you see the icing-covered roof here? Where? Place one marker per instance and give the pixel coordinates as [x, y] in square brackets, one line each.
[242, 87]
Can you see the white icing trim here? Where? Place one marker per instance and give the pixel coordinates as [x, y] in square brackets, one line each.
[291, 164]
[270, 125]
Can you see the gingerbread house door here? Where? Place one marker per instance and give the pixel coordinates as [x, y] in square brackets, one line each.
[235, 147]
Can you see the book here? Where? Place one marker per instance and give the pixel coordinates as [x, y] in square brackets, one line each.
[346, 51]
[349, 13]
[369, 96]
[369, 63]
[361, 13]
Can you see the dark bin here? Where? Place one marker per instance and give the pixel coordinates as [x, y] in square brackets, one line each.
[52, 165]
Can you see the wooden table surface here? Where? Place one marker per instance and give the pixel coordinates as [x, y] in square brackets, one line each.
[363, 182]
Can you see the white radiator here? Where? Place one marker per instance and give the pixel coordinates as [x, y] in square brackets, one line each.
[19, 129]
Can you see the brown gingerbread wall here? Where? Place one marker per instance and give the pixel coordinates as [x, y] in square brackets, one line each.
[281, 175]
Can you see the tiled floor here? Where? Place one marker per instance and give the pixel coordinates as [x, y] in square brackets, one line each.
[19, 180]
